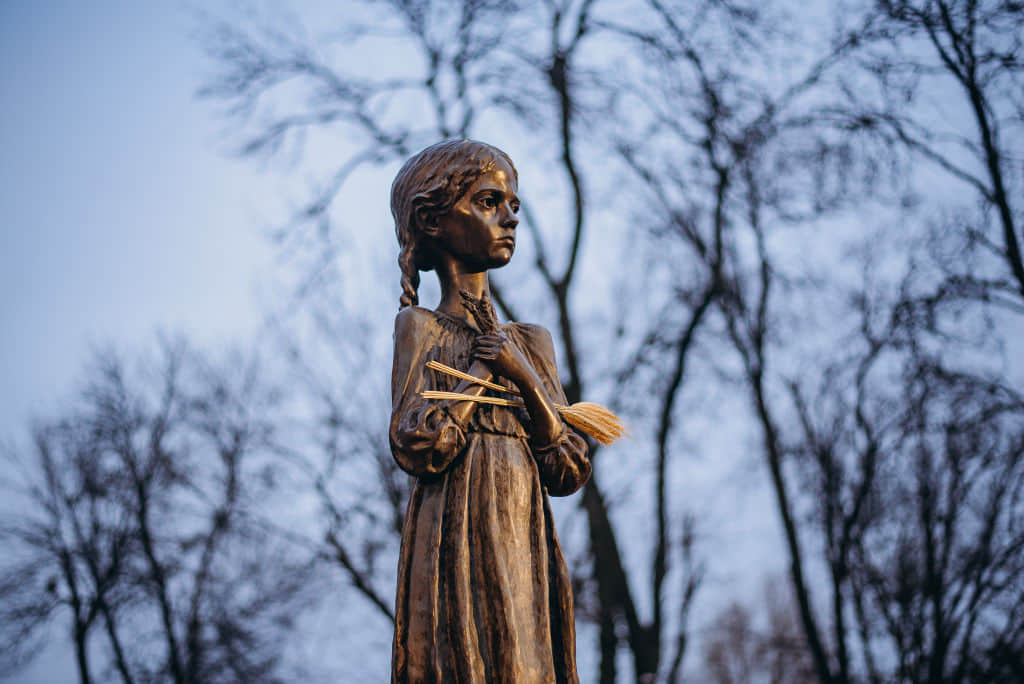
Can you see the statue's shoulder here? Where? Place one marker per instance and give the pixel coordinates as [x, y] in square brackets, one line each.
[410, 315]
[536, 335]
[530, 328]
[414, 323]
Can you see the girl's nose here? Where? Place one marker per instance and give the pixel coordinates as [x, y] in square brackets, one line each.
[509, 219]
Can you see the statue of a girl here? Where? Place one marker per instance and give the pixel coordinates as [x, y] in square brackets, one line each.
[483, 590]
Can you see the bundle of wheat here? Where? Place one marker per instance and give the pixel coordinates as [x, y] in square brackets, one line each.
[593, 419]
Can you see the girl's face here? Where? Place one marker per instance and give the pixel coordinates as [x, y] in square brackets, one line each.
[479, 230]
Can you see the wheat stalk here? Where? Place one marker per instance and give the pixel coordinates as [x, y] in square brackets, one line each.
[438, 366]
[593, 419]
[497, 401]
[482, 310]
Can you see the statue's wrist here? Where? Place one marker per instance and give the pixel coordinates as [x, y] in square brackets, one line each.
[481, 370]
[524, 378]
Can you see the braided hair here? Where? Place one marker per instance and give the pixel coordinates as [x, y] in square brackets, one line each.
[427, 186]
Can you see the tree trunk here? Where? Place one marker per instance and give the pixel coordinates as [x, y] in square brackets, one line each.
[80, 636]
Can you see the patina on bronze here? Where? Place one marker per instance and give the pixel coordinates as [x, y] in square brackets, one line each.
[483, 590]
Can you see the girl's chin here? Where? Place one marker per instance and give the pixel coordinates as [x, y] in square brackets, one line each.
[499, 261]
[502, 256]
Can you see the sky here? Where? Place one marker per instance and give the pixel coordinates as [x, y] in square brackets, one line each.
[123, 213]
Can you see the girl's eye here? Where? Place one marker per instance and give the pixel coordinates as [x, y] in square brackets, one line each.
[489, 202]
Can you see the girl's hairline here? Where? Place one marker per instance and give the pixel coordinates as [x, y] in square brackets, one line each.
[495, 153]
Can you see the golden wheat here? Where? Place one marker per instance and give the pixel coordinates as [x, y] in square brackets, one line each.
[593, 419]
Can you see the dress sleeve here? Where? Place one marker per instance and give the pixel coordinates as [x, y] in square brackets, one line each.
[424, 438]
[563, 464]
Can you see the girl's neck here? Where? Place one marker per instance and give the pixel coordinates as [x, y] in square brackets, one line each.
[454, 281]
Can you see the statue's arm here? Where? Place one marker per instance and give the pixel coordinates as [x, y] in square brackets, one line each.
[564, 460]
[425, 435]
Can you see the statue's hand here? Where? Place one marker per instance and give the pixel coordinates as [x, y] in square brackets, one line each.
[504, 357]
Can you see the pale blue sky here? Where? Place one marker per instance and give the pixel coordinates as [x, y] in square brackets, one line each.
[122, 209]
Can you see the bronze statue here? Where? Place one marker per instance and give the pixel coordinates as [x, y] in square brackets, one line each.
[483, 590]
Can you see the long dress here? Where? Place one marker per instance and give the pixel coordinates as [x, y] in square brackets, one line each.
[483, 590]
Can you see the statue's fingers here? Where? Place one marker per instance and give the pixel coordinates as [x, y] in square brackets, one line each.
[484, 352]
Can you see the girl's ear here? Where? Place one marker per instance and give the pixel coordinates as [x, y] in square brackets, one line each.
[427, 221]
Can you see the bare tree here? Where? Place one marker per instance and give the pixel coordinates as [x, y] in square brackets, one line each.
[139, 528]
[916, 464]
[913, 431]
[728, 157]
[971, 52]
[948, 587]
[741, 143]
[740, 650]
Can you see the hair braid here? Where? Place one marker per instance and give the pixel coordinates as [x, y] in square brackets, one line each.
[410, 275]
